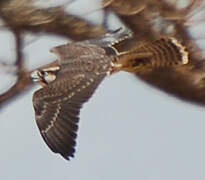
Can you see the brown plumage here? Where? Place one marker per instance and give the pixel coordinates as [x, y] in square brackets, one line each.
[80, 68]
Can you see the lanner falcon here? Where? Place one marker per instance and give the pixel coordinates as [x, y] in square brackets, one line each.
[72, 79]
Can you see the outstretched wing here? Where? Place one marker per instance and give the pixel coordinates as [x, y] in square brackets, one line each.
[57, 108]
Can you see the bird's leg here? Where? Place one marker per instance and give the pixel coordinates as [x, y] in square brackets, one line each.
[130, 62]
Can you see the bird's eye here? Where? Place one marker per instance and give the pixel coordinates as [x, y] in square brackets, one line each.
[42, 73]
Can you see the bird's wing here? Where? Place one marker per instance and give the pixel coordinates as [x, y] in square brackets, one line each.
[57, 108]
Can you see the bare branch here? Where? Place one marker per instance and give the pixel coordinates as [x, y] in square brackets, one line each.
[51, 20]
[23, 83]
[23, 80]
[125, 8]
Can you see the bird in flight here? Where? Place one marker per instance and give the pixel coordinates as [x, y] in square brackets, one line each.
[72, 79]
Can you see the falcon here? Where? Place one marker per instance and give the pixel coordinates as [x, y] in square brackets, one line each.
[72, 79]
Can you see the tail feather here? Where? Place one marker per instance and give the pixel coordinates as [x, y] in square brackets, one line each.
[165, 52]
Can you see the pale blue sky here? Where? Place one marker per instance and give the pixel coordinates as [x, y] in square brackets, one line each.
[128, 130]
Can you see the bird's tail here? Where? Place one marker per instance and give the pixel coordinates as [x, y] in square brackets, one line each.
[165, 52]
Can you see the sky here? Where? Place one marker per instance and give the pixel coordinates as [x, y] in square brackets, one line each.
[128, 130]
